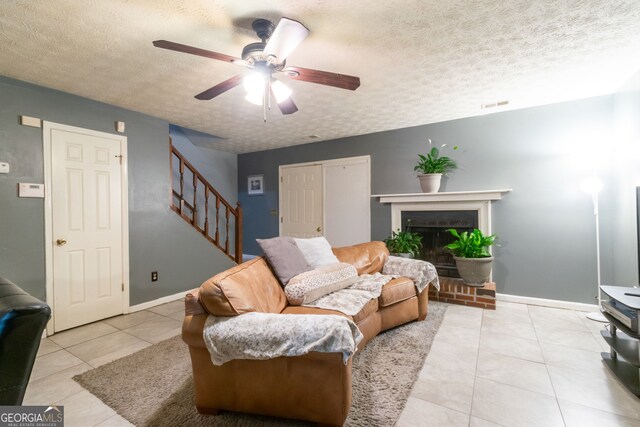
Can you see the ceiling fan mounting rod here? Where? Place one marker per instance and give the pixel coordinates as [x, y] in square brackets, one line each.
[263, 28]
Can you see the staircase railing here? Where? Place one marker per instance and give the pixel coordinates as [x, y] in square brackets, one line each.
[199, 204]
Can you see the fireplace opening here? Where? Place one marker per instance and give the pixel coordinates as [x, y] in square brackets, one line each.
[433, 226]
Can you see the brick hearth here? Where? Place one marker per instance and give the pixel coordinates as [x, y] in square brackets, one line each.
[454, 291]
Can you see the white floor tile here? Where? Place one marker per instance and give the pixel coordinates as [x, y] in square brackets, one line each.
[445, 387]
[597, 389]
[568, 357]
[47, 346]
[510, 345]
[115, 421]
[107, 348]
[168, 308]
[129, 320]
[479, 422]
[156, 330]
[522, 327]
[463, 319]
[52, 389]
[448, 355]
[583, 416]
[52, 363]
[512, 406]
[519, 373]
[569, 338]
[418, 413]
[82, 333]
[457, 336]
[84, 409]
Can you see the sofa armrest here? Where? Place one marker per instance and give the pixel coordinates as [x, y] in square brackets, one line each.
[192, 329]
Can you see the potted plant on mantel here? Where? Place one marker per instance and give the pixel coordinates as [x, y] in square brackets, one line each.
[473, 260]
[431, 167]
[404, 243]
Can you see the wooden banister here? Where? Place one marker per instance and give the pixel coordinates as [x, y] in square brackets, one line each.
[188, 210]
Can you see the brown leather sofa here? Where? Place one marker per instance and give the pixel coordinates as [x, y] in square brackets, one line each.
[314, 387]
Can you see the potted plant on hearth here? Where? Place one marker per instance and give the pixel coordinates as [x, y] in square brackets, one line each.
[431, 167]
[404, 243]
[471, 253]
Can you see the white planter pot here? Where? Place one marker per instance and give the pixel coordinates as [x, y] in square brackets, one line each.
[474, 271]
[430, 182]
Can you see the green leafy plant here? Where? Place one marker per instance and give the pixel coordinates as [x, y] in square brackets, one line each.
[402, 242]
[470, 245]
[433, 162]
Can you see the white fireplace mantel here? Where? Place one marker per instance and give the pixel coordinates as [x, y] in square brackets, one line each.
[446, 201]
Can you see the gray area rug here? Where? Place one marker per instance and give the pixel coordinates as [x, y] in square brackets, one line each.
[153, 387]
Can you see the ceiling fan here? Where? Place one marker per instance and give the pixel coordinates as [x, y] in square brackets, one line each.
[267, 58]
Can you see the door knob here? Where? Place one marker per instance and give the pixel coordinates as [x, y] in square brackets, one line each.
[61, 242]
[318, 229]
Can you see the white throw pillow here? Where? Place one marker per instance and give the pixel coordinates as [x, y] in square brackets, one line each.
[311, 285]
[317, 251]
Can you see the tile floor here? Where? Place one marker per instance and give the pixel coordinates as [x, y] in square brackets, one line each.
[519, 365]
[68, 353]
[516, 366]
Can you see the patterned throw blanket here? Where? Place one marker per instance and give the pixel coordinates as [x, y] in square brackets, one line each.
[369, 286]
[352, 299]
[421, 272]
[266, 336]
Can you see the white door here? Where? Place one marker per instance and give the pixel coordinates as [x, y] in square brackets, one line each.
[347, 197]
[86, 226]
[301, 201]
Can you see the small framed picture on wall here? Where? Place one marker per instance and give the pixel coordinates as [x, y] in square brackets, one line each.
[255, 184]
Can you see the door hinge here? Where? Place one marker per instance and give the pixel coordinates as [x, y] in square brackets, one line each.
[123, 287]
[281, 220]
[281, 179]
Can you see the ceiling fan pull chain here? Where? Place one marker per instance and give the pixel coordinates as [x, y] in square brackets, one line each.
[264, 105]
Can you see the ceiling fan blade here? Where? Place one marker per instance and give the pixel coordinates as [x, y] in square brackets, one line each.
[341, 81]
[164, 44]
[285, 38]
[219, 88]
[288, 106]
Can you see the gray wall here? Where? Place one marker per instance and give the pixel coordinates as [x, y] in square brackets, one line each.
[218, 167]
[545, 226]
[159, 239]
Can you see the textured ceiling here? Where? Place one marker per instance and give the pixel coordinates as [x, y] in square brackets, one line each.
[419, 61]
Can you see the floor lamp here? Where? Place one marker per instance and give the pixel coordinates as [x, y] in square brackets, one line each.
[593, 186]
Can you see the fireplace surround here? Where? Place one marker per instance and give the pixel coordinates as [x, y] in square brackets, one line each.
[430, 214]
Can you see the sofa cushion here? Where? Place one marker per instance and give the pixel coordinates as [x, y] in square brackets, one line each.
[285, 257]
[317, 251]
[248, 287]
[367, 258]
[311, 285]
[397, 290]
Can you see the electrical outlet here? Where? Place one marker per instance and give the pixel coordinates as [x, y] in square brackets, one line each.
[154, 276]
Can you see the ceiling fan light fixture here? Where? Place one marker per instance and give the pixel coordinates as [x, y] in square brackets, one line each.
[254, 84]
[254, 98]
[280, 91]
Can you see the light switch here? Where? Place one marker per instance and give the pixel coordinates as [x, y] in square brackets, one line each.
[30, 190]
[4, 167]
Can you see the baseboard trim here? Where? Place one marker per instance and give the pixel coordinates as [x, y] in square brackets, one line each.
[569, 305]
[162, 300]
